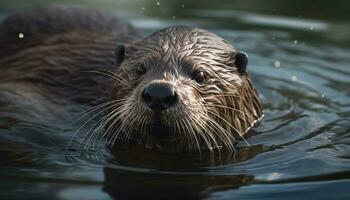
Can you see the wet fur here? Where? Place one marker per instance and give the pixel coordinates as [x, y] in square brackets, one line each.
[211, 114]
[67, 57]
[52, 62]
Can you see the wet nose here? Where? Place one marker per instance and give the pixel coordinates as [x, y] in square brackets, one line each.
[159, 96]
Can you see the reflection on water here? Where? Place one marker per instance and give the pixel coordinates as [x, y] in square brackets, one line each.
[299, 60]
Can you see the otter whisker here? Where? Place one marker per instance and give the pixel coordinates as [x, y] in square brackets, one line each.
[102, 125]
[116, 75]
[94, 139]
[89, 134]
[185, 129]
[98, 124]
[131, 125]
[110, 137]
[202, 133]
[91, 118]
[126, 123]
[127, 128]
[142, 127]
[111, 116]
[123, 123]
[90, 111]
[94, 108]
[224, 120]
[218, 130]
[112, 131]
[224, 136]
[107, 134]
[206, 131]
[226, 107]
[109, 141]
[177, 130]
[113, 123]
[113, 77]
[193, 138]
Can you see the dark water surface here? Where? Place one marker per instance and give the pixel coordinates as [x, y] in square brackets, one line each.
[300, 59]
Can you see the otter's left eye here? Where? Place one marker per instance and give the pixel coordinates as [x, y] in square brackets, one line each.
[198, 76]
[141, 69]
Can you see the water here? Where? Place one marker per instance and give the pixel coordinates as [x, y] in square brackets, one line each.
[299, 59]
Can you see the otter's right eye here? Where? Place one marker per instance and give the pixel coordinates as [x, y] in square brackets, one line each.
[198, 76]
[140, 70]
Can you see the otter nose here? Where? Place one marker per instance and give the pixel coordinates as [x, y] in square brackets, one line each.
[159, 96]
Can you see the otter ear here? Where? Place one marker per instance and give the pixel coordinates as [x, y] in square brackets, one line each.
[122, 51]
[241, 62]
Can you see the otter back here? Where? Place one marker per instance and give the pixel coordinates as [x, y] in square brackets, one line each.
[51, 58]
[24, 29]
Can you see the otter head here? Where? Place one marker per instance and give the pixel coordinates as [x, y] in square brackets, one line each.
[182, 88]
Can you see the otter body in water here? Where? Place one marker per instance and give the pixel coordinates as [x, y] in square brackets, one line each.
[181, 88]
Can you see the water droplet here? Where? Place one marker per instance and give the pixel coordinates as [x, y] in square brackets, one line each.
[158, 3]
[143, 8]
[294, 78]
[174, 17]
[295, 41]
[323, 95]
[20, 35]
[277, 64]
[182, 6]
[311, 28]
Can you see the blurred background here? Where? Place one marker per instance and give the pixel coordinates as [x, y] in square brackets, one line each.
[296, 14]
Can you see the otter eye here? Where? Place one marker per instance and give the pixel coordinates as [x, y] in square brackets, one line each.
[141, 69]
[198, 76]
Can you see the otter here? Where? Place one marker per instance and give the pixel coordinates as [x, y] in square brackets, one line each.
[181, 88]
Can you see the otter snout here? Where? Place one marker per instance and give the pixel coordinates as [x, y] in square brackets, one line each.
[159, 96]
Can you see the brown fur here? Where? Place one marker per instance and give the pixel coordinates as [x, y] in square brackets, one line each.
[61, 46]
[208, 114]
